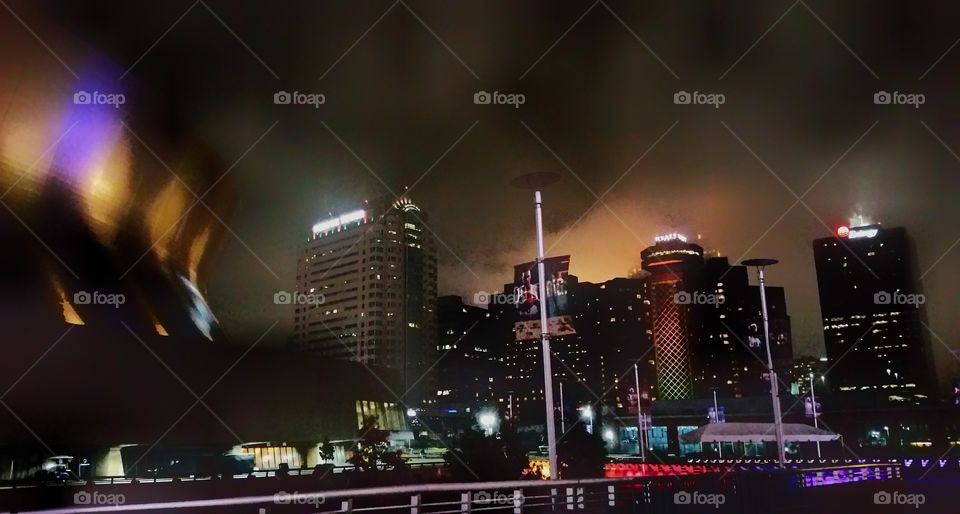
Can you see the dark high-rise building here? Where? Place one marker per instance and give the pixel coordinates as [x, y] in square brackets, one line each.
[872, 307]
[731, 355]
[674, 268]
[612, 319]
[367, 291]
[467, 373]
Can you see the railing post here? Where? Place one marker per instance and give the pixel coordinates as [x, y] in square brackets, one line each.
[466, 502]
[518, 501]
[553, 497]
[569, 498]
[415, 503]
[346, 505]
[611, 495]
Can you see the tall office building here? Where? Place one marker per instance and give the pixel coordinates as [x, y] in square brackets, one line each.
[872, 307]
[612, 319]
[367, 291]
[731, 355]
[674, 268]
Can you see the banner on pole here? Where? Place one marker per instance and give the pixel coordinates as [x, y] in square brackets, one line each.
[526, 294]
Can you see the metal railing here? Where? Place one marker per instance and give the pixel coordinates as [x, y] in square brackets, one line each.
[524, 496]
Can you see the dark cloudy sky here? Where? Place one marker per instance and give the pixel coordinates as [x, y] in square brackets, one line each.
[599, 80]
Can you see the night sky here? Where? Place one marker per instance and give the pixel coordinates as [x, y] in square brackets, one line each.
[599, 79]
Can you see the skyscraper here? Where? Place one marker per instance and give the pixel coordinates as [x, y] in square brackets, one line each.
[467, 375]
[872, 307]
[367, 291]
[674, 266]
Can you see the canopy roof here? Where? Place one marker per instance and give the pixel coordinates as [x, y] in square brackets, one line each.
[745, 432]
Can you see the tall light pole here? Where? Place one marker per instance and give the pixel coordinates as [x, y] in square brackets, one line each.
[813, 401]
[643, 449]
[760, 264]
[537, 181]
[563, 422]
[716, 416]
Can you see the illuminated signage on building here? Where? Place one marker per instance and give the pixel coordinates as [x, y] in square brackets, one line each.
[862, 232]
[857, 232]
[675, 236]
[338, 221]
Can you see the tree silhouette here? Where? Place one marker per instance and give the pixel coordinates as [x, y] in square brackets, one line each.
[581, 454]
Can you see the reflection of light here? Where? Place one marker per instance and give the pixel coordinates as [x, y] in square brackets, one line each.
[608, 435]
[69, 313]
[411, 412]
[843, 231]
[200, 312]
[587, 412]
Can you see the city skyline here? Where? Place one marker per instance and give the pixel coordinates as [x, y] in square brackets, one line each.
[779, 126]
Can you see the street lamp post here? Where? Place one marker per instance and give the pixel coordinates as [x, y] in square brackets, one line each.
[640, 441]
[813, 401]
[716, 415]
[760, 264]
[563, 422]
[537, 181]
